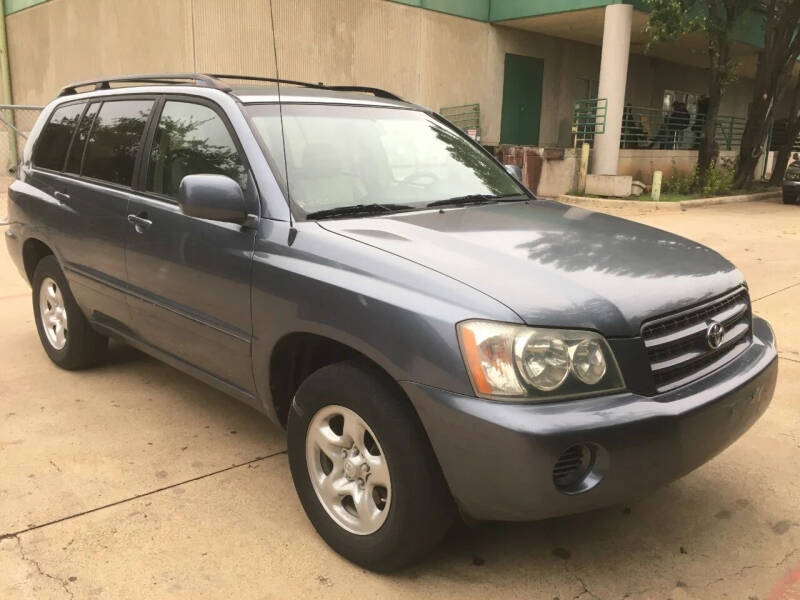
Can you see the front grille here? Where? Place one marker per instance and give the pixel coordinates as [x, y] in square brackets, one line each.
[677, 344]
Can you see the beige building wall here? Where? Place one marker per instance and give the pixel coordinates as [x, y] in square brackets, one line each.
[431, 58]
[427, 57]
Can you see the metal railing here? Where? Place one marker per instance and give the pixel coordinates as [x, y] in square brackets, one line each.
[466, 117]
[588, 119]
[16, 121]
[654, 128]
[778, 136]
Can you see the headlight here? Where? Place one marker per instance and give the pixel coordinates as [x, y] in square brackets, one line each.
[532, 363]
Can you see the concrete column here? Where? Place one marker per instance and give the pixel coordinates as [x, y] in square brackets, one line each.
[613, 79]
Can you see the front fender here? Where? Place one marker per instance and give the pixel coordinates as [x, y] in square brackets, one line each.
[397, 313]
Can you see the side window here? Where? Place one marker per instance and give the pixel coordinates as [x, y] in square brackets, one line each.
[191, 139]
[115, 139]
[79, 143]
[51, 148]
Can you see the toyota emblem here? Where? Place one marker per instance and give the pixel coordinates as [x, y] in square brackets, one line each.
[714, 334]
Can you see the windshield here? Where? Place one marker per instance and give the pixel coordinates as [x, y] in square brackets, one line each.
[345, 156]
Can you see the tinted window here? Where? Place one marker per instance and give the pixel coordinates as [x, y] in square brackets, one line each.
[114, 140]
[191, 139]
[79, 143]
[51, 149]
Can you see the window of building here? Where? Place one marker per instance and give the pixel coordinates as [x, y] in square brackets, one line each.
[586, 89]
[79, 143]
[688, 99]
[115, 139]
[191, 139]
[51, 149]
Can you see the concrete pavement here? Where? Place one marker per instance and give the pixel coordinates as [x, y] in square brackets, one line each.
[135, 481]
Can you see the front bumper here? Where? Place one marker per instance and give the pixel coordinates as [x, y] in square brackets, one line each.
[791, 186]
[498, 458]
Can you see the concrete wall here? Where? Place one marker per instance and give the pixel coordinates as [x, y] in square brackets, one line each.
[434, 59]
[431, 58]
[648, 78]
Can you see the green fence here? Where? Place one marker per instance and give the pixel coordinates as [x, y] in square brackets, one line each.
[466, 117]
[654, 128]
[589, 119]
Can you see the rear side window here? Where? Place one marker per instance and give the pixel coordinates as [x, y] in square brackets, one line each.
[51, 148]
[115, 139]
[79, 142]
[191, 139]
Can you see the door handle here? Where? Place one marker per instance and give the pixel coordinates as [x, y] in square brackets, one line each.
[140, 222]
[61, 196]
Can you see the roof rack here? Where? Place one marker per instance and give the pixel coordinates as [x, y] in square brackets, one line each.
[212, 80]
[154, 78]
[377, 92]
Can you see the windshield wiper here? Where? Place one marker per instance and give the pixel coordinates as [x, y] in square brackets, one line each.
[477, 199]
[356, 209]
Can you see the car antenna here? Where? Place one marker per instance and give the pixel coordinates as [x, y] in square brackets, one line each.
[292, 230]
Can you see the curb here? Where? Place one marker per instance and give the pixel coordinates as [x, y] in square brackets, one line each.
[607, 203]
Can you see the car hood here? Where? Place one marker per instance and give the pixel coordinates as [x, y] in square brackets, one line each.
[553, 264]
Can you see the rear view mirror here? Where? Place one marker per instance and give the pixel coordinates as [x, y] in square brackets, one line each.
[514, 171]
[213, 197]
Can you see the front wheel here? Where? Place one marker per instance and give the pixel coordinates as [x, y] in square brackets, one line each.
[364, 469]
[789, 197]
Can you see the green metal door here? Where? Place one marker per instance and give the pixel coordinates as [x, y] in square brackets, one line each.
[522, 100]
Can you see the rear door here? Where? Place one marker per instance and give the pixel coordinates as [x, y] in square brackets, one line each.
[92, 193]
[190, 277]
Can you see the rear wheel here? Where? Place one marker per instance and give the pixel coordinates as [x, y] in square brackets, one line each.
[364, 469]
[66, 335]
[789, 197]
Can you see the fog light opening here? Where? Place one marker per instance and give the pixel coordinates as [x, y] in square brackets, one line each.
[580, 468]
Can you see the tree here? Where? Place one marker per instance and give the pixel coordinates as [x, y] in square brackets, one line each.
[775, 63]
[717, 20]
[792, 131]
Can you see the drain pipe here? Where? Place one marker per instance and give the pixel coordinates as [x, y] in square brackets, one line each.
[5, 91]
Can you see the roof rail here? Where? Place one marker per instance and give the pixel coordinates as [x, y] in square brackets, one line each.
[377, 92]
[212, 80]
[154, 78]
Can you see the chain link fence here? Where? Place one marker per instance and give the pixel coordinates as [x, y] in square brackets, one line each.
[16, 122]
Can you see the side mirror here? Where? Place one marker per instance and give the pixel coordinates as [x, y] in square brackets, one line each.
[213, 197]
[514, 171]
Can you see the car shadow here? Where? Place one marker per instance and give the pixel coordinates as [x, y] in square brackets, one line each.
[674, 525]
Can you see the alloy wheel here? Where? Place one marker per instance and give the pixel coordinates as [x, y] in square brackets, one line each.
[348, 470]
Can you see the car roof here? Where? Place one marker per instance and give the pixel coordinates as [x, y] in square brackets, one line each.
[253, 90]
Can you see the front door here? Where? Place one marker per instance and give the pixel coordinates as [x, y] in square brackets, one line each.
[190, 278]
[522, 100]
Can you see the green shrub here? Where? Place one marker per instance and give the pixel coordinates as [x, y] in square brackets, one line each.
[679, 183]
[718, 181]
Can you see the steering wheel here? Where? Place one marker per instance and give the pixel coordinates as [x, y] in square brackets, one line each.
[419, 177]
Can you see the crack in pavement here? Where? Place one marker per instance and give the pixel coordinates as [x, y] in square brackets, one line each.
[741, 571]
[794, 360]
[578, 578]
[708, 584]
[14, 534]
[64, 584]
[788, 287]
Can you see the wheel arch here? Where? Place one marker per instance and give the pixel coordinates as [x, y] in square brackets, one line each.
[34, 250]
[299, 354]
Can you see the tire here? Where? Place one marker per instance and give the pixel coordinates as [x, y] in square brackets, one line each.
[418, 505]
[68, 339]
[789, 198]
